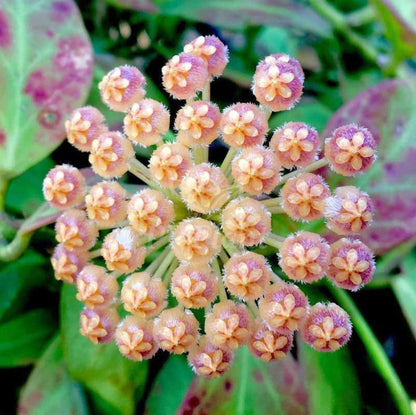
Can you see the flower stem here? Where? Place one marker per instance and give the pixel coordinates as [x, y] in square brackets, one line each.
[200, 154]
[375, 351]
[168, 276]
[223, 256]
[161, 242]
[229, 246]
[221, 288]
[16, 247]
[312, 167]
[156, 262]
[228, 159]
[165, 264]
[274, 240]
[3, 189]
[206, 92]
[253, 308]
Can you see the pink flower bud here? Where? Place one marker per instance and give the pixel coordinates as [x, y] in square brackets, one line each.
[348, 211]
[278, 82]
[243, 125]
[304, 256]
[351, 265]
[326, 328]
[350, 150]
[246, 221]
[64, 187]
[85, 125]
[146, 122]
[67, 265]
[295, 144]
[122, 87]
[99, 325]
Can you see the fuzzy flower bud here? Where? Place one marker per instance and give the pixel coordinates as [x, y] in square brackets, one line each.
[146, 122]
[95, 287]
[197, 123]
[247, 275]
[84, 125]
[99, 325]
[74, 231]
[150, 213]
[142, 295]
[194, 286]
[348, 211]
[304, 197]
[184, 75]
[212, 50]
[121, 250]
[283, 306]
[134, 339]
[110, 155]
[204, 188]
[278, 82]
[122, 87]
[243, 125]
[169, 163]
[246, 221]
[228, 325]
[66, 264]
[351, 265]
[295, 144]
[350, 150]
[256, 170]
[304, 256]
[209, 360]
[326, 328]
[196, 241]
[64, 187]
[175, 330]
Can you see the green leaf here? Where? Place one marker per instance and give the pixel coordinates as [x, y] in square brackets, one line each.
[45, 73]
[166, 395]
[139, 5]
[117, 381]
[50, 389]
[23, 339]
[331, 382]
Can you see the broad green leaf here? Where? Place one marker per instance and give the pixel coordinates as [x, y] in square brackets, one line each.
[139, 5]
[272, 39]
[331, 382]
[50, 389]
[116, 381]
[23, 339]
[45, 72]
[167, 395]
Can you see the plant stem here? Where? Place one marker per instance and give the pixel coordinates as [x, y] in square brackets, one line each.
[200, 154]
[361, 16]
[217, 270]
[229, 246]
[3, 189]
[156, 262]
[206, 92]
[165, 264]
[272, 202]
[312, 167]
[16, 247]
[164, 240]
[274, 241]
[223, 256]
[173, 265]
[228, 159]
[375, 351]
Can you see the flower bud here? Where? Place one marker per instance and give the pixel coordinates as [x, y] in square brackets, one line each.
[326, 328]
[304, 197]
[209, 360]
[196, 241]
[110, 155]
[134, 339]
[256, 170]
[150, 213]
[228, 325]
[121, 250]
[175, 330]
[204, 188]
[184, 75]
[84, 125]
[95, 287]
[197, 123]
[283, 306]
[246, 221]
[66, 264]
[243, 125]
[247, 275]
[348, 211]
[142, 295]
[74, 231]
[295, 144]
[304, 256]
[146, 122]
[350, 150]
[351, 265]
[194, 286]
[106, 204]
[122, 87]
[169, 163]
[99, 325]
[64, 187]
[278, 82]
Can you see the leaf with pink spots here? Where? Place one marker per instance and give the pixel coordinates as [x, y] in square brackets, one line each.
[45, 72]
[387, 110]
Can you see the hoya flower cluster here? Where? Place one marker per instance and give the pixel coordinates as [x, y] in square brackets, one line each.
[188, 237]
